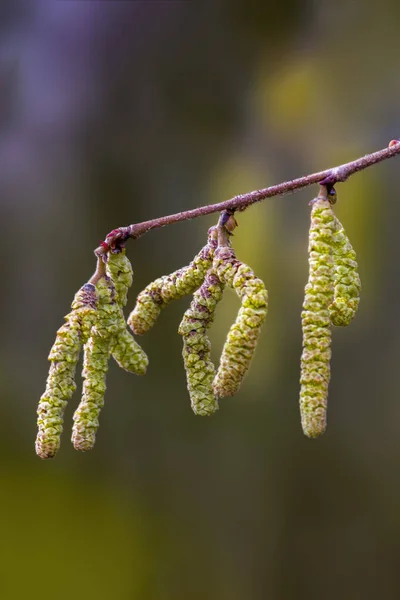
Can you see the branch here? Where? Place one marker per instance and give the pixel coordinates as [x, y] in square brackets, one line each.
[329, 178]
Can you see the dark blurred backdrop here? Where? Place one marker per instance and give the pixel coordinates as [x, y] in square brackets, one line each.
[115, 112]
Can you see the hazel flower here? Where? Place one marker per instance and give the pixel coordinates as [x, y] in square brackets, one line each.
[127, 352]
[243, 336]
[347, 280]
[316, 322]
[119, 269]
[163, 290]
[199, 368]
[97, 352]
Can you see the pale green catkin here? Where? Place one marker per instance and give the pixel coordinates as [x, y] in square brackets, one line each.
[347, 280]
[316, 322]
[163, 290]
[95, 365]
[119, 269]
[243, 336]
[199, 368]
[125, 350]
[64, 356]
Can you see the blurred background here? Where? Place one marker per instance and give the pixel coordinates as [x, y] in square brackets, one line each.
[117, 112]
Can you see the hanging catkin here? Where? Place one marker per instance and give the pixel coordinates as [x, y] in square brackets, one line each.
[119, 269]
[163, 290]
[95, 365]
[64, 356]
[199, 368]
[125, 350]
[347, 280]
[243, 336]
[316, 355]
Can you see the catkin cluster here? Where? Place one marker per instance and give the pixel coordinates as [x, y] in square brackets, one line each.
[64, 356]
[331, 298]
[163, 290]
[97, 323]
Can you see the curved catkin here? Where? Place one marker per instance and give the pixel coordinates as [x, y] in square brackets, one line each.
[316, 355]
[125, 350]
[199, 368]
[163, 290]
[95, 365]
[119, 269]
[60, 383]
[243, 336]
[347, 280]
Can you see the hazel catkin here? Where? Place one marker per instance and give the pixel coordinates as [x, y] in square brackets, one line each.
[125, 350]
[196, 352]
[119, 269]
[95, 365]
[64, 356]
[243, 336]
[163, 290]
[316, 322]
[347, 285]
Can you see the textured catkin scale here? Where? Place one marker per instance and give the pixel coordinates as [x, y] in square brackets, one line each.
[347, 280]
[316, 322]
[199, 368]
[60, 384]
[95, 365]
[243, 336]
[119, 269]
[163, 290]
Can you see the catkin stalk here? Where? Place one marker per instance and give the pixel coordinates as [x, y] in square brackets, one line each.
[163, 290]
[199, 368]
[243, 336]
[316, 322]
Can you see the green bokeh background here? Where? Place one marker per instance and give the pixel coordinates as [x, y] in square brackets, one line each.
[115, 112]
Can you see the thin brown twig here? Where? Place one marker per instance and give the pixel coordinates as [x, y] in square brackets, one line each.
[329, 178]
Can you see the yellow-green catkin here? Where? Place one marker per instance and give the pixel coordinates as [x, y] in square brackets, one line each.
[119, 269]
[347, 280]
[163, 290]
[199, 368]
[316, 321]
[243, 336]
[64, 356]
[125, 350]
[95, 365]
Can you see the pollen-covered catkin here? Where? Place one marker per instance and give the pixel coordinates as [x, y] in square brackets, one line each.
[95, 365]
[64, 356]
[243, 336]
[119, 269]
[347, 280]
[163, 290]
[199, 368]
[125, 350]
[316, 322]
